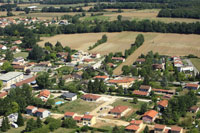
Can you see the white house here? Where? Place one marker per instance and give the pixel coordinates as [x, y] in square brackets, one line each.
[11, 78]
[2, 47]
[69, 96]
[31, 110]
[186, 68]
[42, 113]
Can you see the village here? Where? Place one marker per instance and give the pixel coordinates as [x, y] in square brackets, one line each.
[116, 102]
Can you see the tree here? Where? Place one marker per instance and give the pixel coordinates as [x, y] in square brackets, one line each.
[119, 17]
[38, 122]
[29, 40]
[36, 53]
[58, 47]
[146, 130]
[143, 108]
[9, 55]
[146, 80]
[69, 58]
[7, 67]
[31, 125]
[1, 84]
[27, 10]
[5, 124]
[20, 120]
[69, 123]
[135, 100]
[43, 80]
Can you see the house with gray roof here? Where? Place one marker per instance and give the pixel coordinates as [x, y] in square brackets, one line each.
[69, 96]
[11, 78]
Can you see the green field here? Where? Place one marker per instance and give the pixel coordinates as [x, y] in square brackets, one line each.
[16, 130]
[21, 54]
[63, 130]
[127, 103]
[91, 18]
[196, 62]
[79, 106]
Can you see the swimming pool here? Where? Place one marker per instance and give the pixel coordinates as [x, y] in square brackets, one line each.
[59, 102]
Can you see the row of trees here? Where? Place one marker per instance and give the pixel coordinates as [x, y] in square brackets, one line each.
[102, 40]
[62, 9]
[180, 13]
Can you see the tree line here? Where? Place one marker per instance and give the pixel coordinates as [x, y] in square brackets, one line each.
[99, 42]
[62, 9]
[180, 13]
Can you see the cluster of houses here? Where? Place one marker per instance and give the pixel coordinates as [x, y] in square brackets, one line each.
[38, 112]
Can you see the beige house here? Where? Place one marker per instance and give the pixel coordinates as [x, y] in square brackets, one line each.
[11, 78]
[88, 120]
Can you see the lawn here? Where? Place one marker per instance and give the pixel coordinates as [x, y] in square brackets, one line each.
[196, 62]
[21, 54]
[16, 130]
[64, 130]
[79, 106]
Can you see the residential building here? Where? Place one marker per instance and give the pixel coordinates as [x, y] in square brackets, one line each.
[26, 81]
[69, 114]
[145, 88]
[150, 116]
[78, 119]
[20, 67]
[90, 97]
[69, 96]
[119, 110]
[185, 69]
[194, 109]
[162, 105]
[2, 47]
[140, 60]
[104, 77]
[19, 59]
[163, 91]
[132, 129]
[31, 110]
[140, 93]
[176, 129]
[158, 66]
[192, 86]
[88, 120]
[95, 55]
[117, 59]
[159, 128]
[135, 126]
[42, 113]
[125, 82]
[11, 78]
[3, 94]
[44, 95]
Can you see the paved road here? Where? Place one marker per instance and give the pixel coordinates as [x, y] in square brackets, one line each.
[190, 63]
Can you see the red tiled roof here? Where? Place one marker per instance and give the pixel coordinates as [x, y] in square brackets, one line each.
[30, 107]
[163, 103]
[18, 67]
[140, 60]
[2, 94]
[145, 87]
[132, 127]
[87, 117]
[150, 113]
[192, 85]
[101, 77]
[158, 126]
[142, 93]
[77, 118]
[136, 122]
[69, 113]
[117, 58]
[26, 81]
[119, 109]
[163, 90]
[87, 60]
[110, 64]
[41, 110]
[90, 96]
[44, 93]
[176, 128]
[124, 80]
[194, 108]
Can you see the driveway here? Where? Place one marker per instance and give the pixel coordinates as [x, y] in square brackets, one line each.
[196, 71]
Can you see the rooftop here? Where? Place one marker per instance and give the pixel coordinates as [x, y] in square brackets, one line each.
[10, 75]
[87, 117]
[90, 96]
[119, 109]
[142, 93]
[132, 127]
[26, 81]
[176, 128]
[150, 113]
[158, 126]
[163, 103]
[69, 113]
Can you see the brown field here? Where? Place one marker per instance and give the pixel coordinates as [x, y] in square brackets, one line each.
[163, 43]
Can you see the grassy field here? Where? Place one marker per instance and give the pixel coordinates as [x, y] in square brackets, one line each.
[21, 54]
[91, 18]
[16, 130]
[128, 103]
[196, 62]
[79, 106]
[63, 130]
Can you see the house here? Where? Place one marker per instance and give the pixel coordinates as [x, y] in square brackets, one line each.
[150, 116]
[97, 65]
[111, 65]
[18, 42]
[45, 64]
[20, 67]
[69, 114]
[15, 49]
[90, 97]
[167, 96]
[119, 110]
[11, 78]
[69, 96]
[132, 129]
[3, 94]
[178, 64]
[68, 78]
[104, 77]
[31, 110]
[176, 129]
[163, 91]
[1, 62]
[88, 60]
[2, 47]
[95, 55]
[145, 88]
[194, 109]
[191, 86]
[88, 120]
[63, 22]
[117, 59]
[162, 105]
[78, 119]
[158, 66]
[42, 113]
[135, 126]
[140, 93]
[140, 60]
[159, 128]
[185, 69]
[44, 95]
[26, 81]
[62, 54]
[125, 82]
[19, 59]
